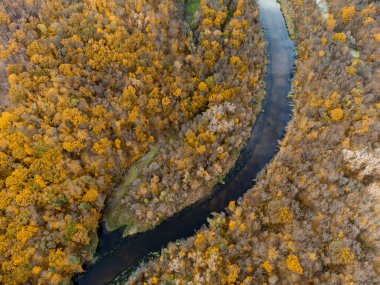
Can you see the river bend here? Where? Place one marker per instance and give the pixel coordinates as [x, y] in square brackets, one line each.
[116, 255]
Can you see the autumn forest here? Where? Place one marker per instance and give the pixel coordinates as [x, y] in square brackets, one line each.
[119, 114]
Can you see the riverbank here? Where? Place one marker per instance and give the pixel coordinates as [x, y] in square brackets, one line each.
[288, 12]
[313, 214]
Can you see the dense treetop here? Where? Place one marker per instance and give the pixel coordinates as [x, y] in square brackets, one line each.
[92, 86]
[314, 215]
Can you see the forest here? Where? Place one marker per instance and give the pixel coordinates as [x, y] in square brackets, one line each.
[128, 111]
[313, 216]
[88, 88]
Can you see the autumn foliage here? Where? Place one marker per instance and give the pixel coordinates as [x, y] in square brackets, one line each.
[313, 216]
[229, 52]
[87, 88]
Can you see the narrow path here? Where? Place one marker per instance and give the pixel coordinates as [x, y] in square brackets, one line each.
[115, 255]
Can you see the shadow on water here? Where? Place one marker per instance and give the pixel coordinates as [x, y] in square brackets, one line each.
[116, 255]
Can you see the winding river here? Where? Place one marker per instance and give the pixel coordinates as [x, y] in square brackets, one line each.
[118, 256]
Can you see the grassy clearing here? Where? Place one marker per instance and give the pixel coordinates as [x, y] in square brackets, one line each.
[190, 8]
[116, 214]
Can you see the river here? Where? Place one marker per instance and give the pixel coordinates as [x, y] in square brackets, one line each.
[117, 256]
